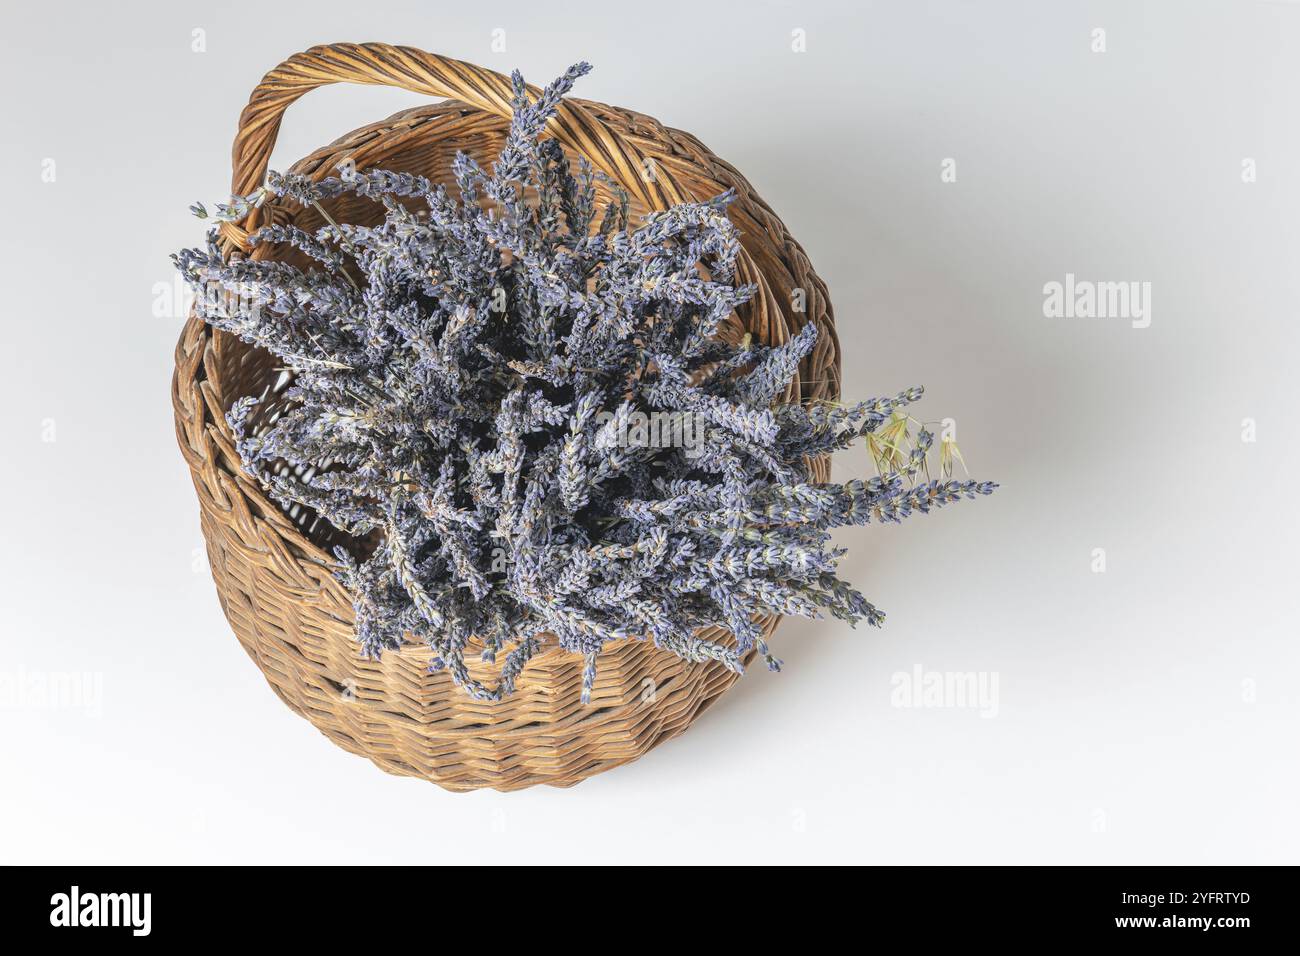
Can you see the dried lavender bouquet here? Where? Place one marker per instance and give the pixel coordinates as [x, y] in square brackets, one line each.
[472, 384]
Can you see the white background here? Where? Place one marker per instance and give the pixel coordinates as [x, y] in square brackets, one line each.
[1144, 714]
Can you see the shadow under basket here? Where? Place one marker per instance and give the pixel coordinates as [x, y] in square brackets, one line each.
[274, 568]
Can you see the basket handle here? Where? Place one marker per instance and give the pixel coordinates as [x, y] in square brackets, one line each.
[379, 63]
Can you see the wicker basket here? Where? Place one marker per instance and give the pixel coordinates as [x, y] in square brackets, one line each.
[273, 569]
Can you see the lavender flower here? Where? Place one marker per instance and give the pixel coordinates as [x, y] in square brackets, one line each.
[463, 372]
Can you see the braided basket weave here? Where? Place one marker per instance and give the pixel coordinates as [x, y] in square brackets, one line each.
[274, 570]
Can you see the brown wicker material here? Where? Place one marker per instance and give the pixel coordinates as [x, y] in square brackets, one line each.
[273, 569]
